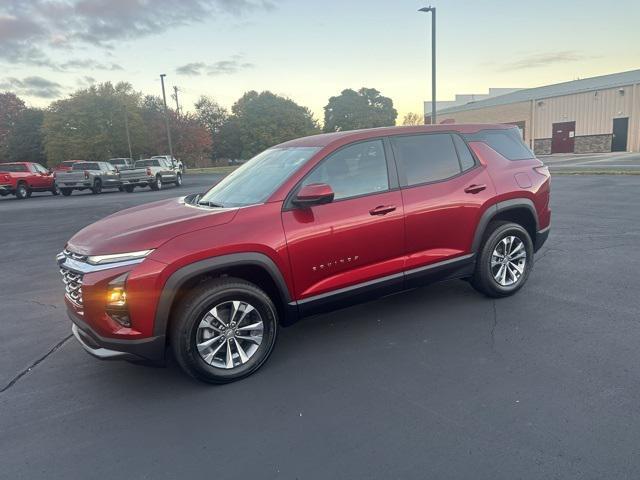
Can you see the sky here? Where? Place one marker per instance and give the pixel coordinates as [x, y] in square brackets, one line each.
[309, 51]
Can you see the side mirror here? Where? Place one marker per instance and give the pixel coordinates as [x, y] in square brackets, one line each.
[314, 194]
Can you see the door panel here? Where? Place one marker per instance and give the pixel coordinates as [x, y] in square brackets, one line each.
[440, 218]
[563, 137]
[341, 244]
[620, 133]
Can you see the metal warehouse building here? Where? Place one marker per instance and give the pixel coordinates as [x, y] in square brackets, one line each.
[591, 115]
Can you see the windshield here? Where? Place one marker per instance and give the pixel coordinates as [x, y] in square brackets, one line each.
[257, 179]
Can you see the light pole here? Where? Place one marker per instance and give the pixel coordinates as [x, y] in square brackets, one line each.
[166, 115]
[433, 61]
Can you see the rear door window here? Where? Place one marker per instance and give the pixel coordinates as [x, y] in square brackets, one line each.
[426, 158]
[13, 167]
[507, 143]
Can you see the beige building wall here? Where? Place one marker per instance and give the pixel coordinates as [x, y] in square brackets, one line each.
[514, 112]
[592, 111]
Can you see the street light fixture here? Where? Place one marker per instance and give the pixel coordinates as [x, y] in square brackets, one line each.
[433, 60]
[166, 115]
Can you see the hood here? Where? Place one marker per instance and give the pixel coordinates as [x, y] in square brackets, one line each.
[145, 227]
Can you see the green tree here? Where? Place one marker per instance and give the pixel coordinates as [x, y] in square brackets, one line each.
[261, 120]
[25, 142]
[352, 110]
[211, 114]
[11, 108]
[90, 124]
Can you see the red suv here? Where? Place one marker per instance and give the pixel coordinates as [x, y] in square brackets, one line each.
[307, 226]
[24, 178]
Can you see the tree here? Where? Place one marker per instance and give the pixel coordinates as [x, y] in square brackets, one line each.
[413, 119]
[11, 108]
[191, 140]
[90, 125]
[352, 110]
[211, 114]
[261, 120]
[25, 142]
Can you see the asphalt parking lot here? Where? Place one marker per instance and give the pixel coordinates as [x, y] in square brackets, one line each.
[438, 382]
[614, 162]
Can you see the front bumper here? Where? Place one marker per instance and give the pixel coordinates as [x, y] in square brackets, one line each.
[146, 350]
[541, 238]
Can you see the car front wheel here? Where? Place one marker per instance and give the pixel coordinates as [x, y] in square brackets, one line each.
[505, 260]
[22, 191]
[224, 330]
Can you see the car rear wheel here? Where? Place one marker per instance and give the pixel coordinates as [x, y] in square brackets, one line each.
[129, 188]
[22, 191]
[178, 180]
[505, 260]
[97, 187]
[157, 185]
[66, 191]
[224, 330]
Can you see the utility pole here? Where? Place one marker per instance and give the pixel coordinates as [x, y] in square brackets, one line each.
[166, 114]
[433, 61]
[175, 89]
[126, 126]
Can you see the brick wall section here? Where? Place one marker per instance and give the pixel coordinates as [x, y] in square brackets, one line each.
[592, 144]
[542, 146]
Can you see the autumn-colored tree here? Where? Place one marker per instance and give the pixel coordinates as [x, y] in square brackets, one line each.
[413, 119]
[11, 108]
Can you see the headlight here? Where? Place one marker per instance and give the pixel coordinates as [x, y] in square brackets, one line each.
[117, 257]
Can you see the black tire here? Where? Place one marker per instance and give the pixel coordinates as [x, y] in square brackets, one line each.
[193, 308]
[97, 187]
[157, 185]
[55, 190]
[66, 191]
[129, 188]
[178, 180]
[483, 279]
[22, 191]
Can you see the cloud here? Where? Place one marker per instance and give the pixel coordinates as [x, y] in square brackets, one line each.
[29, 28]
[539, 60]
[223, 67]
[89, 64]
[32, 87]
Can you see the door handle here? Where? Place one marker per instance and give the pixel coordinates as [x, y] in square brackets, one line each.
[382, 210]
[475, 188]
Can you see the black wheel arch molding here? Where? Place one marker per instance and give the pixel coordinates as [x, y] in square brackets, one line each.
[537, 236]
[213, 266]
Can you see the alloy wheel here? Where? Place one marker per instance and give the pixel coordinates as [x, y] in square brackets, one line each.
[508, 261]
[229, 334]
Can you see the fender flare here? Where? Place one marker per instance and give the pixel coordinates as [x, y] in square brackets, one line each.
[211, 265]
[497, 208]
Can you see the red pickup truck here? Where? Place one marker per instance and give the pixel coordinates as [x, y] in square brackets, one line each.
[23, 178]
[307, 226]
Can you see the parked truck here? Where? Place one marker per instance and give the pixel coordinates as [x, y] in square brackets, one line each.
[93, 176]
[23, 178]
[151, 172]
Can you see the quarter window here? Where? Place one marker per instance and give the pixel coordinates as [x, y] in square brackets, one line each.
[355, 170]
[466, 159]
[426, 158]
[507, 143]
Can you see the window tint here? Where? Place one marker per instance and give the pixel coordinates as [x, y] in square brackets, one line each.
[40, 168]
[506, 142]
[147, 163]
[426, 158]
[466, 159]
[13, 167]
[86, 166]
[354, 170]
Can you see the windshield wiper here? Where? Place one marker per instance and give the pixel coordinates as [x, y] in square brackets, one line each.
[206, 203]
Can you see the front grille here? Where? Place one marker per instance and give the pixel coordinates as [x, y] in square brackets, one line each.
[75, 256]
[72, 285]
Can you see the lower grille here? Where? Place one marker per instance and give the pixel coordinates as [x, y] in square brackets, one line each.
[72, 285]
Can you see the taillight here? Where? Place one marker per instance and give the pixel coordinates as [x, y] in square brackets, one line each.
[86, 175]
[148, 171]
